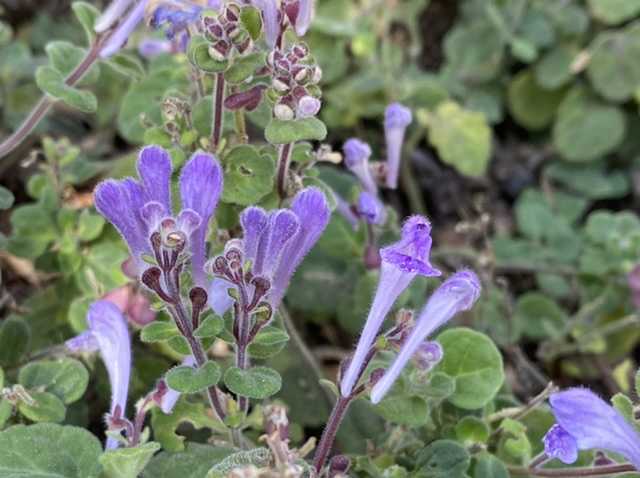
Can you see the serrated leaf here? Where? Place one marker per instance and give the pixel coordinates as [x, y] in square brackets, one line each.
[462, 137]
[248, 176]
[532, 106]
[46, 407]
[127, 462]
[75, 454]
[66, 378]
[86, 15]
[159, 331]
[290, 131]
[256, 382]
[244, 67]
[187, 379]
[15, 337]
[473, 360]
[210, 327]
[52, 82]
[6, 198]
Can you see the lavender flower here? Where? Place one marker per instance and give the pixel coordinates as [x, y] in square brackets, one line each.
[170, 397]
[356, 157]
[308, 106]
[218, 296]
[305, 15]
[175, 16]
[401, 263]
[428, 355]
[152, 47]
[111, 15]
[108, 333]
[585, 421]
[370, 208]
[270, 19]
[344, 209]
[120, 36]
[139, 208]
[456, 294]
[396, 119]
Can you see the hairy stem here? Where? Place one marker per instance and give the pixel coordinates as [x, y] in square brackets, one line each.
[45, 103]
[284, 158]
[330, 432]
[572, 472]
[218, 108]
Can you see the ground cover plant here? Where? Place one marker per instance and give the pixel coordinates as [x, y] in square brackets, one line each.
[296, 238]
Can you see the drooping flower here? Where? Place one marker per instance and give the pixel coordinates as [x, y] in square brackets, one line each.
[401, 263]
[396, 119]
[123, 31]
[356, 158]
[456, 294]
[584, 421]
[108, 333]
[139, 208]
[370, 208]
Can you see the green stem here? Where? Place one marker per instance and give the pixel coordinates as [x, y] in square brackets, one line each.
[408, 177]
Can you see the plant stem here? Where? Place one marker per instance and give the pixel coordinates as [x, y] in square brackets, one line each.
[240, 122]
[46, 102]
[330, 431]
[572, 472]
[283, 168]
[218, 108]
[408, 177]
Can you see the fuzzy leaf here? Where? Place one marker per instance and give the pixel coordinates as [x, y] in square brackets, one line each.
[86, 15]
[186, 379]
[210, 327]
[248, 176]
[127, 462]
[52, 82]
[66, 378]
[46, 408]
[244, 67]
[290, 131]
[256, 382]
[159, 331]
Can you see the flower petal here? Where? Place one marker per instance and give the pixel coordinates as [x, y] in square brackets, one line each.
[154, 169]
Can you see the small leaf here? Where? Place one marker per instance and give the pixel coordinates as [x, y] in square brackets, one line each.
[127, 462]
[244, 67]
[198, 55]
[471, 430]
[270, 341]
[290, 131]
[210, 327]
[256, 382]
[46, 408]
[186, 379]
[65, 57]
[52, 82]
[403, 410]
[538, 316]
[248, 176]
[159, 331]
[443, 459]
[624, 405]
[86, 15]
[6, 198]
[194, 462]
[488, 466]
[66, 378]
[127, 65]
[258, 457]
[90, 226]
[532, 106]
[252, 21]
[15, 337]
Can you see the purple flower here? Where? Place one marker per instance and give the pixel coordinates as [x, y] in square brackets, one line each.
[585, 421]
[175, 17]
[345, 210]
[218, 296]
[121, 34]
[370, 208]
[112, 14]
[401, 263]
[152, 47]
[356, 157]
[428, 355]
[308, 106]
[139, 208]
[305, 15]
[270, 19]
[171, 397]
[109, 334]
[458, 293]
[396, 119]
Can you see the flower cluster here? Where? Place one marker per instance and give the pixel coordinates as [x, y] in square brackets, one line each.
[226, 33]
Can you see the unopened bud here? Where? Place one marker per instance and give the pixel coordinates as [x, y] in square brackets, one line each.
[283, 112]
[280, 85]
[339, 465]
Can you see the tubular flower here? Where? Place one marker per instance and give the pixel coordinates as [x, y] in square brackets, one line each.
[270, 19]
[108, 333]
[396, 119]
[456, 294]
[370, 208]
[139, 208]
[124, 30]
[112, 14]
[585, 421]
[401, 263]
[356, 157]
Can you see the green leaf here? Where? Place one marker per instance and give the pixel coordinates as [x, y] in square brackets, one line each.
[475, 363]
[258, 457]
[86, 15]
[290, 131]
[199, 57]
[6, 198]
[462, 137]
[159, 331]
[248, 176]
[127, 462]
[474, 51]
[90, 226]
[46, 408]
[539, 317]
[586, 128]
[194, 462]
[252, 21]
[66, 378]
[1, 378]
[244, 67]
[554, 68]
[591, 181]
[51, 82]
[443, 459]
[613, 52]
[210, 327]
[532, 106]
[15, 337]
[514, 443]
[127, 65]
[256, 382]
[186, 379]
[65, 56]
[48, 450]
[624, 405]
[402, 410]
[6, 410]
[165, 426]
[488, 466]
[269, 342]
[471, 430]
[613, 12]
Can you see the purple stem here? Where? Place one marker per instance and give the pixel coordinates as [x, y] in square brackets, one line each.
[283, 168]
[329, 434]
[218, 105]
[573, 472]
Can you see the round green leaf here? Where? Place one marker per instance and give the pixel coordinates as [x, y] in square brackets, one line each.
[66, 378]
[48, 450]
[488, 466]
[472, 430]
[186, 379]
[194, 462]
[554, 68]
[251, 19]
[46, 408]
[6, 198]
[538, 316]
[586, 128]
[290, 131]
[51, 81]
[270, 341]
[474, 362]
[532, 106]
[199, 56]
[248, 176]
[256, 382]
[210, 327]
